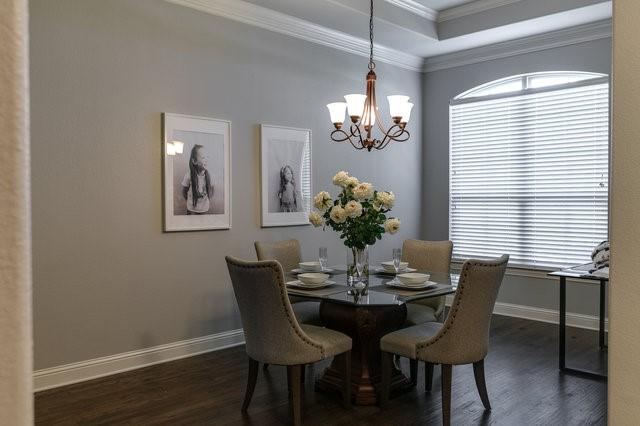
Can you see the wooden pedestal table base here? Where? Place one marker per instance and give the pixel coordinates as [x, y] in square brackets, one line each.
[365, 324]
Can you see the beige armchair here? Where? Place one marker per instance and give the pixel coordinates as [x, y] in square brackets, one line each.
[287, 252]
[462, 339]
[272, 333]
[432, 256]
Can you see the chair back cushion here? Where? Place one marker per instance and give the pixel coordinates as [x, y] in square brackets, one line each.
[433, 256]
[464, 337]
[272, 333]
[286, 252]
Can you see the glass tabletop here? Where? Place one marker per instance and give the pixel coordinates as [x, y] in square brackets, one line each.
[378, 293]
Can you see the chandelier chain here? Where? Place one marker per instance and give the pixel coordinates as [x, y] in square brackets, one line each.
[372, 64]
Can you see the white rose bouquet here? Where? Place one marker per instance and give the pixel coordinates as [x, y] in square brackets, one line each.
[359, 213]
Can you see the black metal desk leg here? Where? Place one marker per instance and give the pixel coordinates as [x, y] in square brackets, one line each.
[563, 321]
[602, 312]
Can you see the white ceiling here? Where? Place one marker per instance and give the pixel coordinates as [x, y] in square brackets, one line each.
[410, 31]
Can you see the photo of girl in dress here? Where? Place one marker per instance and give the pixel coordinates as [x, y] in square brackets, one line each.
[197, 189]
[287, 194]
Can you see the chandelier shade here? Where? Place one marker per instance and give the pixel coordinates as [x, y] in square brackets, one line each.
[336, 111]
[364, 115]
[355, 104]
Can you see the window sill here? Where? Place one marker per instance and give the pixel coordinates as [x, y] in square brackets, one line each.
[456, 266]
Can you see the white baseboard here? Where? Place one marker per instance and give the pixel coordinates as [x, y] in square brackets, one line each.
[99, 367]
[552, 316]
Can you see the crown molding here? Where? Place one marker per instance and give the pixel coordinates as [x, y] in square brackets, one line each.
[550, 40]
[415, 8]
[471, 8]
[258, 16]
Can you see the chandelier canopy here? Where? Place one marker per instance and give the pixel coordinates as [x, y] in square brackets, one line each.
[364, 115]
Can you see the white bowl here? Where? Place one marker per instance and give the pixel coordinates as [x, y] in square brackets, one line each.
[413, 278]
[388, 266]
[313, 278]
[309, 266]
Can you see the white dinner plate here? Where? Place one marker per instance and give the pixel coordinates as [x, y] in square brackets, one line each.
[380, 270]
[303, 286]
[423, 286]
[304, 271]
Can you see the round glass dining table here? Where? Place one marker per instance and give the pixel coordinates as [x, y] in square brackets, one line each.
[366, 315]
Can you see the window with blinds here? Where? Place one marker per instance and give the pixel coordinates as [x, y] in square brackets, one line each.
[529, 163]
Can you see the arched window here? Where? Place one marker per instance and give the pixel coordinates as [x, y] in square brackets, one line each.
[528, 175]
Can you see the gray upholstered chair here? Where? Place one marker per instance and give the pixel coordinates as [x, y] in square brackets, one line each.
[274, 336]
[432, 256]
[287, 252]
[462, 339]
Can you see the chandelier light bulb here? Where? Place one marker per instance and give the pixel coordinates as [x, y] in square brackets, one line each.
[369, 117]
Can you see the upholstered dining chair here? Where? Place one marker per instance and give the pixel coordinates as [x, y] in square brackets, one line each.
[273, 334]
[432, 256]
[462, 339]
[287, 252]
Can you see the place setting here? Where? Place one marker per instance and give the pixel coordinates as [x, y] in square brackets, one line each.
[311, 281]
[405, 278]
[319, 266]
[395, 266]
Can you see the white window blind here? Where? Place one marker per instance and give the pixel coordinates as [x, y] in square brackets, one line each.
[529, 174]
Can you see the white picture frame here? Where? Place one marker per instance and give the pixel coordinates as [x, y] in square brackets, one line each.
[202, 172]
[285, 175]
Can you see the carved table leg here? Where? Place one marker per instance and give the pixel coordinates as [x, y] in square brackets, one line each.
[365, 325]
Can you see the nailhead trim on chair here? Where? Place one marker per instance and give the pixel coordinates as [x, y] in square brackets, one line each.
[454, 309]
[299, 332]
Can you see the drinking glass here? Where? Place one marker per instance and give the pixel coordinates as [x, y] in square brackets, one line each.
[322, 258]
[397, 257]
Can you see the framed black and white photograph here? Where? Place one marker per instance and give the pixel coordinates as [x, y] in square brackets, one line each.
[285, 159]
[197, 173]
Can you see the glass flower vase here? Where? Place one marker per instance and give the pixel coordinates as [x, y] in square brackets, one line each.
[355, 255]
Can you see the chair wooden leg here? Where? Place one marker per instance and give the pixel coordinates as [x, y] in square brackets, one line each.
[294, 377]
[387, 363]
[428, 376]
[478, 372]
[413, 369]
[251, 383]
[447, 371]
[346, 384]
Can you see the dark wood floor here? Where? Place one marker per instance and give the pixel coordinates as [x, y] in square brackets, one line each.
[524, 386]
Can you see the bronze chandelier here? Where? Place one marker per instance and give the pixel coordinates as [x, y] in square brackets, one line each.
[364, 115]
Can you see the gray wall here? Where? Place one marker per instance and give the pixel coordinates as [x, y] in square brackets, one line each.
[438, 89]
[106, 279]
